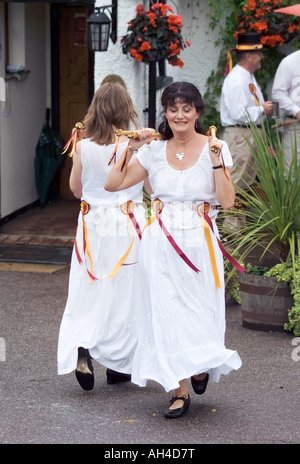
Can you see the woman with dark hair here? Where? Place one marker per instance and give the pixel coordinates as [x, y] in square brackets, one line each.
[183, 312]
[101, 316]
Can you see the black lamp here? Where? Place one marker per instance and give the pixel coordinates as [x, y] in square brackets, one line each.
[99, 27]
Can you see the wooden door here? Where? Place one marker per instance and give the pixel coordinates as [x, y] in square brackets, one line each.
[73, 79]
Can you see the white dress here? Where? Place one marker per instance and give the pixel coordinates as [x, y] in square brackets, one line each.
[103, 314]
[183, 312]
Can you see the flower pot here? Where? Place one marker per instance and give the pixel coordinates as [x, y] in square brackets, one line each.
[264, 302]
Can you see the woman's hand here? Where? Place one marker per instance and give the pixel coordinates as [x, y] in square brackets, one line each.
[145, 135]
[215, 147]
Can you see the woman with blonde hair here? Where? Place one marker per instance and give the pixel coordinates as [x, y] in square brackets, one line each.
[102, 310]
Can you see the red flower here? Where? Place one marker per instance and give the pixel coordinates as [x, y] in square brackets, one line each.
[145, 46]
[135, 54]
[259, 16]
[155, 35]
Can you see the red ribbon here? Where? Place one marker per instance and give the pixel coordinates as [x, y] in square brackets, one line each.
[225, 253]
[135, 223]
[174, 245]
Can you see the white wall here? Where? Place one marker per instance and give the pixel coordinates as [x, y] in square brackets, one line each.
[24, 114]
[199, 59]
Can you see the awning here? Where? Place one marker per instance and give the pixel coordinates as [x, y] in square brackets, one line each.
[292, 10]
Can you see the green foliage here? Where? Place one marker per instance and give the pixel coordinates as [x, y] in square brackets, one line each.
[290, 273]
[271, 210]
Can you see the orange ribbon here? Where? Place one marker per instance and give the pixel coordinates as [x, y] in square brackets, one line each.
[73, 139]
[123, 160]
[85, 208]
[127, 208]
[253, 91]
[204, 208]
[114, 155]
[225, 253]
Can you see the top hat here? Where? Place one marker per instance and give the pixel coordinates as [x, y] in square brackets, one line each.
[249, 41]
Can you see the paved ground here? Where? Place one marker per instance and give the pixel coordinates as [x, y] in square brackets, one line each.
[258, 404]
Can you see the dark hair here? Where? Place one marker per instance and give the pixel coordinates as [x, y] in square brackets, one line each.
[180, 92]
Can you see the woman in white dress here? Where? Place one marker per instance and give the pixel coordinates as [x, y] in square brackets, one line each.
[183, 312]
[101, 315]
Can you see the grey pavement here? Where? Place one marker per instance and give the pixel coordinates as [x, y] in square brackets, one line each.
[258, 404]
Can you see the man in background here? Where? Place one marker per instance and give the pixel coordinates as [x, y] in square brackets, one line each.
[242, 101]
[286, 90]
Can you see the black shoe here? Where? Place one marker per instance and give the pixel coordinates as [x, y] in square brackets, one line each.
[114, 377]
[176, 413]
[85, 371]
[199, 386]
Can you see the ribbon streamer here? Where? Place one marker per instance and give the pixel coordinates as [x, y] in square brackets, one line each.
[175, 246]
[209, 243]
[75, 137]
[84, 208]
[157, 208]
[127, 208]
[123, 160]
[225, 253]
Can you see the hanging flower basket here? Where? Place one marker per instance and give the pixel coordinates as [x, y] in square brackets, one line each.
[155, 35]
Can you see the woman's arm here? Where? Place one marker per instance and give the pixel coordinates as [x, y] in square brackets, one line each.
[76, 171]
[225, 192]
[131, 173]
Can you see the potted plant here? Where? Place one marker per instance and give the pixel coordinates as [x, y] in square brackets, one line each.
[268, 242]
[155, 35]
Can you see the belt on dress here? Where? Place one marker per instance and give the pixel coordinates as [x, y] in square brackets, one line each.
[202, 210]
[126, 208]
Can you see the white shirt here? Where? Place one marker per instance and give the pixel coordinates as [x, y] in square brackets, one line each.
[286, 85]
[237, 102]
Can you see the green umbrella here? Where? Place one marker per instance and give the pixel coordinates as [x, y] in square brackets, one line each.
[48, 158]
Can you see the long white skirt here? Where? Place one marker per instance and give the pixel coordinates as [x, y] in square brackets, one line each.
[183, 313]
[103, 315]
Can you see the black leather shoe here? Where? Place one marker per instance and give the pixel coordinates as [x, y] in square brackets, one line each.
[85, 371]
[199, 386]
[114, 377]
[178, 412]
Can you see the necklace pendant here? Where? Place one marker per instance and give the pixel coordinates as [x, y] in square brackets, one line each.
[180, 156]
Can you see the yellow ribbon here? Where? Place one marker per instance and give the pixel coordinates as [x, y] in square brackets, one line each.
[124, 209]
[210, 247]
[73, 139]
[88, 252]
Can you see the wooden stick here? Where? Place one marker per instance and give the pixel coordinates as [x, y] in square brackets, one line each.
[213, 132]
[285, 123]
[133, 134]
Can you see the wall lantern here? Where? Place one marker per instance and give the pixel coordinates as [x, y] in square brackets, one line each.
[99, 27]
